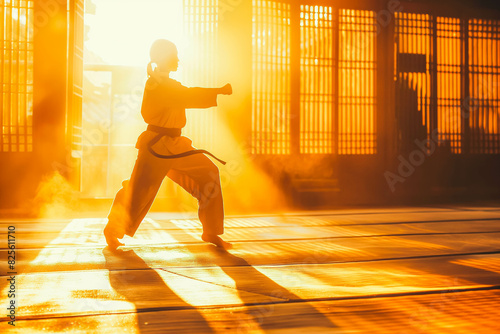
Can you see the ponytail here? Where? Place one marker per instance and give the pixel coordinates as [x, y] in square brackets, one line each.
[151, 69]
[154, 72]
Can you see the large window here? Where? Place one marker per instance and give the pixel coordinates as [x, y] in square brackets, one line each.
[16, 72]
[484, 105]
[271, 78]
[115, 60]
[335, 111]
[447, 82]
[316, 82]
[414, 59]
[357, 75]
[449, 111]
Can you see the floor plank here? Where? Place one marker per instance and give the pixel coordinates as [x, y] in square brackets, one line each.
[403, 270]
[123, 288]
[450, 313]
[152, 233]
[261, 252]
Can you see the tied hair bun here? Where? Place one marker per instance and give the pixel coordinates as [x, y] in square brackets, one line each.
[157, 76]
[151, 68]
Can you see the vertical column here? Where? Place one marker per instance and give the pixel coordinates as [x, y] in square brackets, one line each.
[234, 56]
[271, 97]
[433, 117]
[2, 52]
[75, 89]
[357, 69]
[295, 78]
[50, 72]
[316, 92]
[201, 20]
[386, 127]
[465, 84]
[335, 83]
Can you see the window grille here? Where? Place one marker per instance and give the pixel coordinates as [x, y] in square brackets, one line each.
[16, 71]
[414, 59]
[316, 83]
[357, 77]
[449, 82]
[271, 78]
[484, 69]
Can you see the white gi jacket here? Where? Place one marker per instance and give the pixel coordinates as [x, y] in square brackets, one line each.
[164, 104]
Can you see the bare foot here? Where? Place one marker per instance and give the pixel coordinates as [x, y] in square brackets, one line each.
[112, 239]
[217, 241]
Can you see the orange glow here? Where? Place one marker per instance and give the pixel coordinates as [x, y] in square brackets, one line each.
[113, 90]
[308, 87]
[115, 74]
[491, 264]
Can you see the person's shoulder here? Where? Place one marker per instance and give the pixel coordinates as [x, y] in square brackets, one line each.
[172, 85]
[162, 83]
[152, 84]
[172, 82]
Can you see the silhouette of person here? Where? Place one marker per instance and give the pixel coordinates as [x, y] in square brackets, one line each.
[163, 151]
[409, 116]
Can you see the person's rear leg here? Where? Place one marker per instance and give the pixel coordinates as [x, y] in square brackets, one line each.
[134, 200]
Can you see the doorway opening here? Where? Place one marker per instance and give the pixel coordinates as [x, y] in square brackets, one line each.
[116, 53]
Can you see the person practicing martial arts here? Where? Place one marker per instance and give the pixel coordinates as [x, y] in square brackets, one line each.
[163, 151]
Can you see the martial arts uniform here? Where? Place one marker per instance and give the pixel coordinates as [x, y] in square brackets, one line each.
[164, 107]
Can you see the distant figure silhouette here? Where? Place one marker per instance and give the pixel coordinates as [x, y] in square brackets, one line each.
[164, 152]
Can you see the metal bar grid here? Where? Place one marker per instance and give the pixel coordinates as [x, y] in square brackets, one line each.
[16, 71]
[449, 83]
[316, 84]
[357, 75]
[484, 68]
[201, 26]
[414, 78]
[271, 78]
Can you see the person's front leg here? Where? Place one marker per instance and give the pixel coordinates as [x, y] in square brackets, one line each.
[114, 229]
[200, 177]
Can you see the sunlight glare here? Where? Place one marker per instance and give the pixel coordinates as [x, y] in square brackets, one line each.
[122, 33]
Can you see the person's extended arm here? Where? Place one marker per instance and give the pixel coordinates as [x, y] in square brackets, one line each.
[197, 97]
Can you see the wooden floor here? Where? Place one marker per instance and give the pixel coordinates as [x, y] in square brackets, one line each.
[397, 270]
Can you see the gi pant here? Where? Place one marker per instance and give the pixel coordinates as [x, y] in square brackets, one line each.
[197, 174]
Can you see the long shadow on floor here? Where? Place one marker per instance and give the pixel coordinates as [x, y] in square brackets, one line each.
[291, 316]
[291, 312]
[146, 289]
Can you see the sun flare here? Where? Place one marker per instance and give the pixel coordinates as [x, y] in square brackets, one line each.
[123, 35]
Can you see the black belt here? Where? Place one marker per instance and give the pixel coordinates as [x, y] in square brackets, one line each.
[173, 132]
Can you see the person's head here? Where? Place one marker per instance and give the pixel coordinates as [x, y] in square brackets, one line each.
[163, 53]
